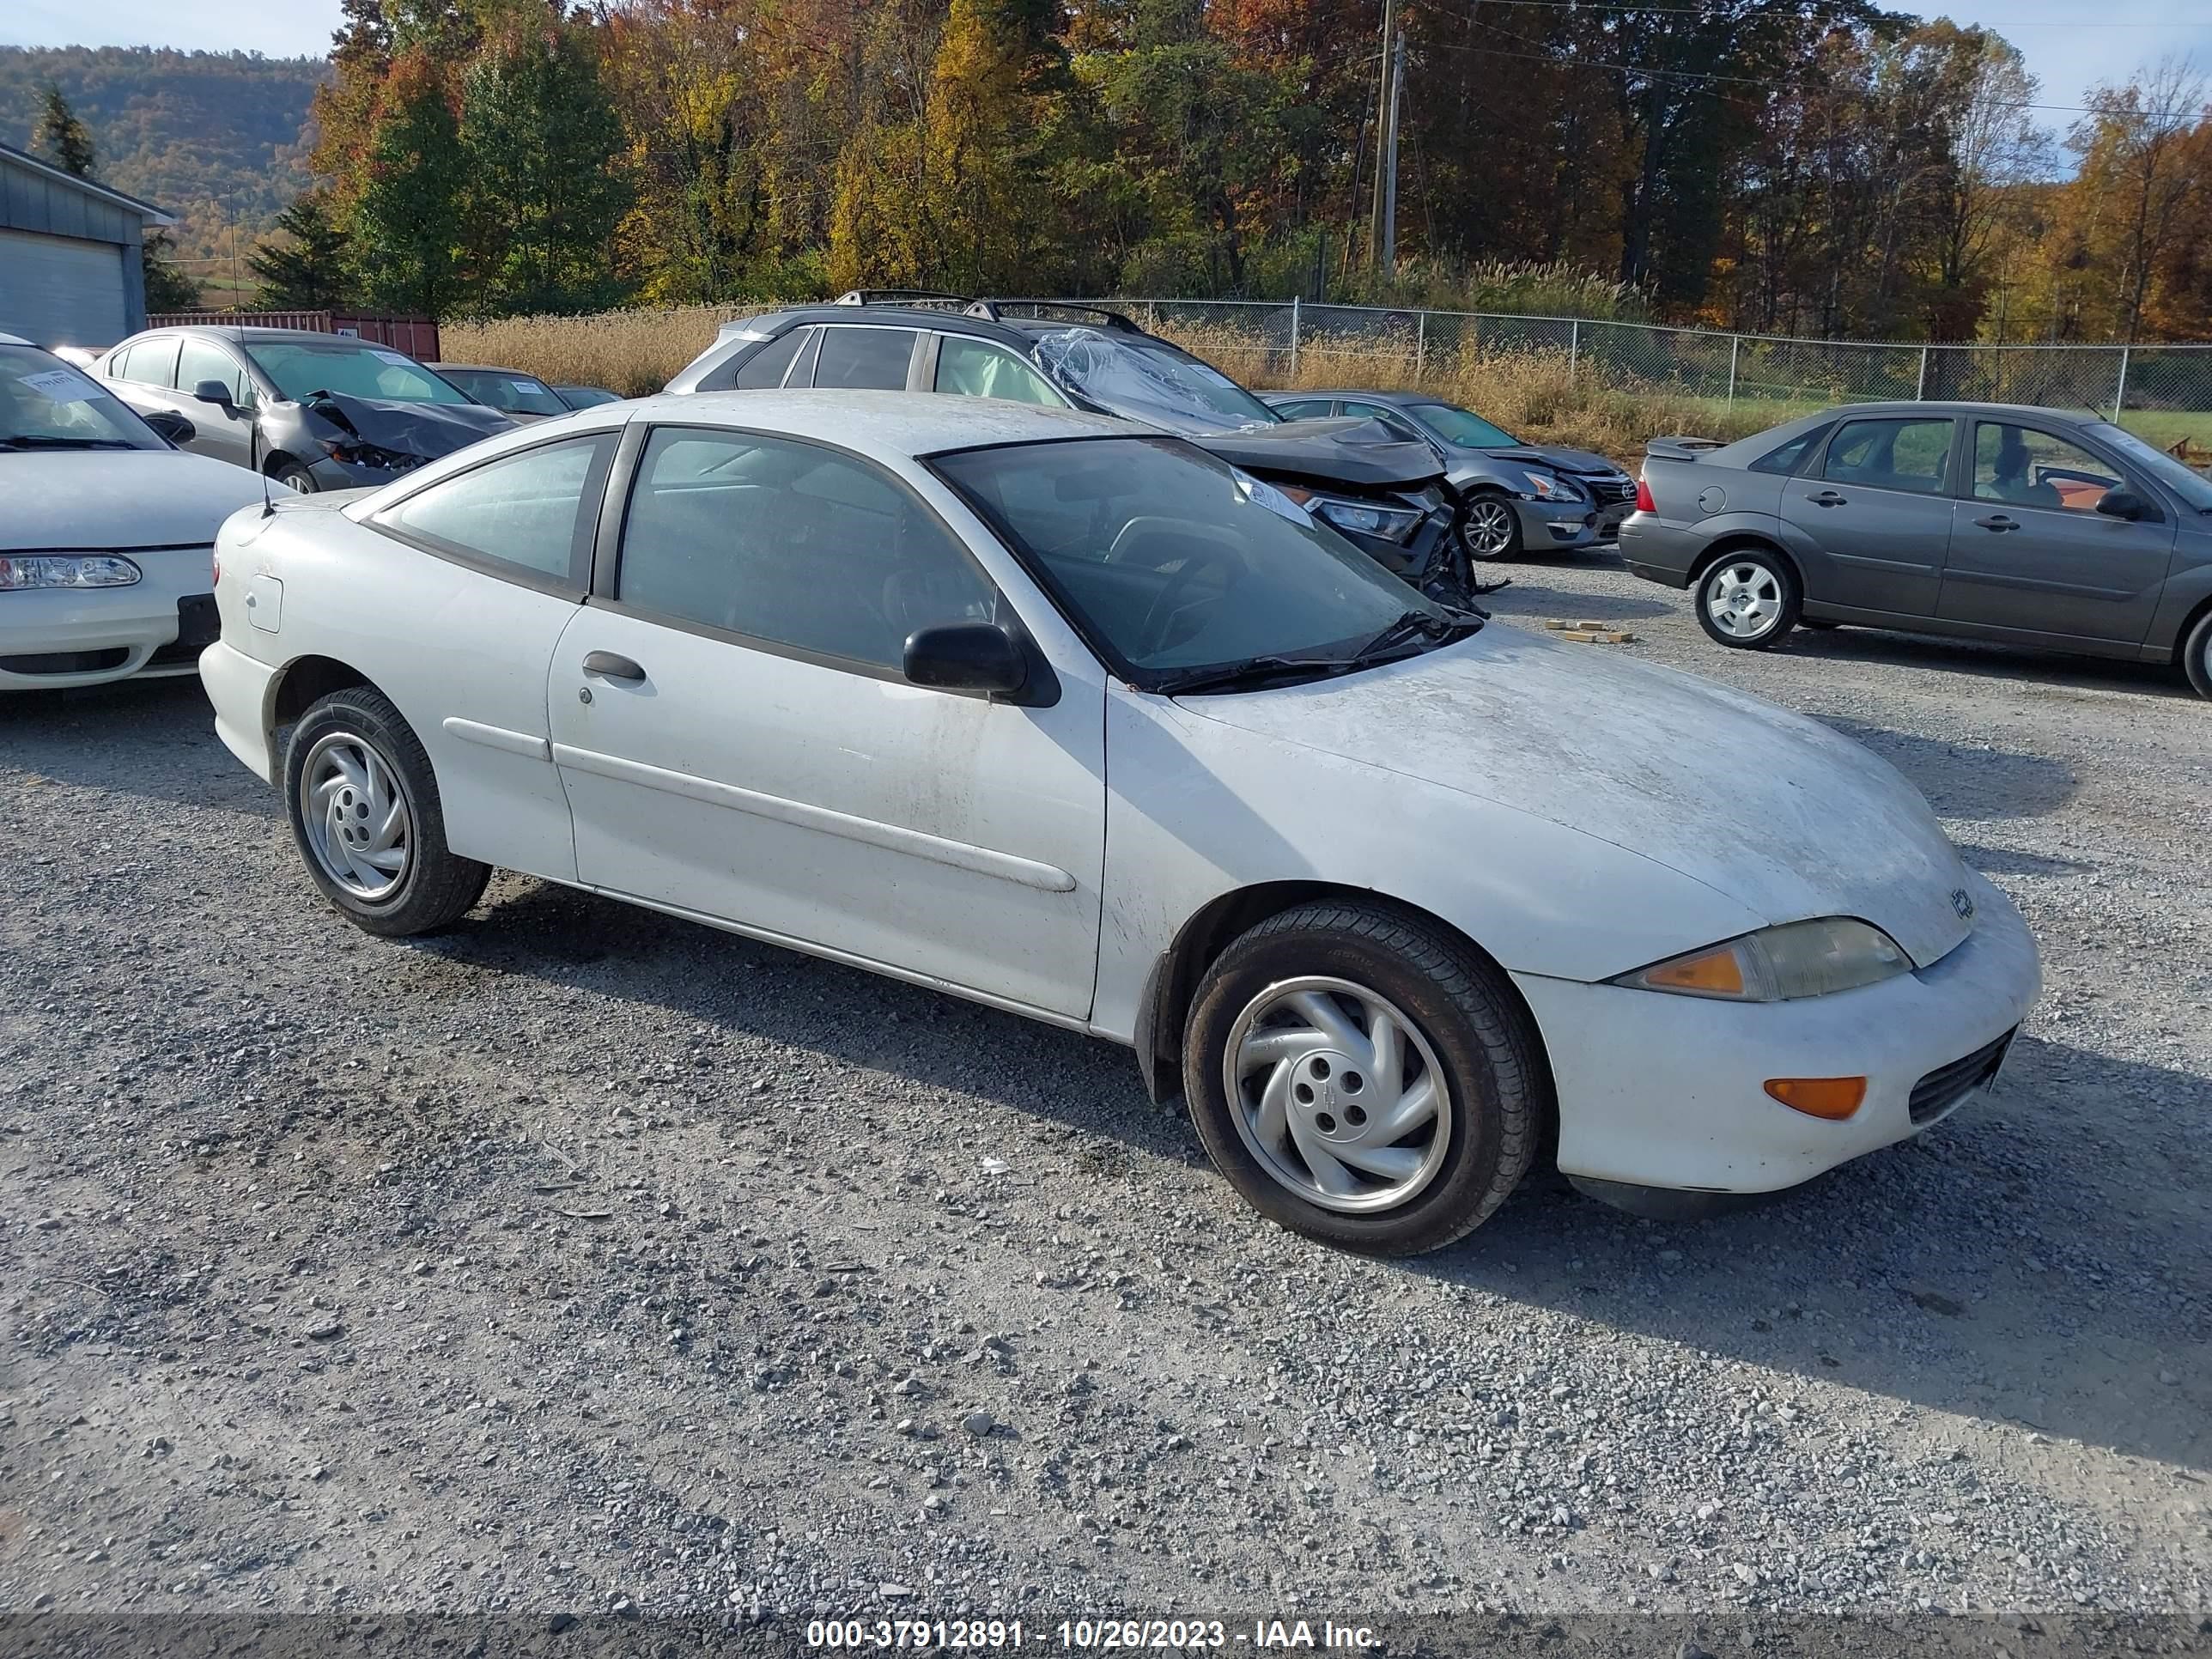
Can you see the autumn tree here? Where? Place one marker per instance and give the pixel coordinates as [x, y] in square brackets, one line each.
[407, 219]
[2131, 196]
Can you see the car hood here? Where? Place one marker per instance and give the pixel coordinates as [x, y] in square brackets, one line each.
[425, 430]
[71, 498]
[1343, 450]
[1564, 460]
[1772, 809]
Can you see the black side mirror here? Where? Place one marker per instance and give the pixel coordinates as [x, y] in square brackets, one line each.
[2122, 504]
[967, 657]
[171, 425]
[213, 392]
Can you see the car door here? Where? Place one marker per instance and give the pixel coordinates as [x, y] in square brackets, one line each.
[1871, 520]
[509, 546]
[737, 741]
[222, 430]
[144, 376]
[2029, 550]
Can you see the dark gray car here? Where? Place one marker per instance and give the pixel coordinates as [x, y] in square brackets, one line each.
[313, 410]
[1980, 520]
[1518, 497]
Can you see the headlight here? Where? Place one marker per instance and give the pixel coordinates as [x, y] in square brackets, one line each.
[360, 454]
[1396, 523]
[65, 570]
[1779, 964]
[1546, 488]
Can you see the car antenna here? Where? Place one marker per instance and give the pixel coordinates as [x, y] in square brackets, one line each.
[268, 507]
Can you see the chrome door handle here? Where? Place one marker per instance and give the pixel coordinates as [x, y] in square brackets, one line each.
[610, 666]
[1998, 521]
[1827, 498]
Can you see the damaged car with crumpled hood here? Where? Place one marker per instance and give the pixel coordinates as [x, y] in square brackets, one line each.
[311, 411]
[1382, 493]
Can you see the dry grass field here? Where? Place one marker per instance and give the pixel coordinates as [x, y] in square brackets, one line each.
[1532, 393]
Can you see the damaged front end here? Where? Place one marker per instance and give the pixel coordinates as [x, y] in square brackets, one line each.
[391, 437]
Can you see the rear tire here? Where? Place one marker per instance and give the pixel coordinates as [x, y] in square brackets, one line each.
[1748, 599]
[1396, 1116]
[367, 817]
[2196, 655]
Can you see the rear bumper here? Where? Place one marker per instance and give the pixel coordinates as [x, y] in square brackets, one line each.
[1658, 551]
[1668, 1091]
[65, 637]
[239, 687]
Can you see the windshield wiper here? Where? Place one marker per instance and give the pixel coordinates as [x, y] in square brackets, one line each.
[1418, 624]
[36, 441]
[1254, 672]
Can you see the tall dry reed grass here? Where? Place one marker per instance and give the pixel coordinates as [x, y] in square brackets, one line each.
[1533, 393]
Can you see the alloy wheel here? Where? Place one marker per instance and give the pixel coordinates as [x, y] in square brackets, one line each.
[1488, 531]
[356, 817]
[1744, 599]
[1338, 1095]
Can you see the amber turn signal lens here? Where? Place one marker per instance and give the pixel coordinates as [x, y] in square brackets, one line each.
[1716, 973]
[1831, 1098]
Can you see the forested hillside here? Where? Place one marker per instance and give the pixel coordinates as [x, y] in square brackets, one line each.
[206, 135]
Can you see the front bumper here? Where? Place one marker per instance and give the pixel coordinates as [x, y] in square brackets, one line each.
[1424, 558]
[1561, 526]
[1668, 1092]
[61, 637]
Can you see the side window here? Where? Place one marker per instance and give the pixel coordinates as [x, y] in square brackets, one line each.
[531, 512]
[871, 359]
[790, 544]
[1399, 425]
[1786, 460]
[764, 369]
[977, 368]
[1306, 409]
[117, 364]
[202, 359]
[1890, 454]
[2024, 467]
[153, 362]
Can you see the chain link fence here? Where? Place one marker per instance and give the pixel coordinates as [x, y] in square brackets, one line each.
[2162, 391]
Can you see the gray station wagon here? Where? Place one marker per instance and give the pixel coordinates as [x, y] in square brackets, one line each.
[1988, 521]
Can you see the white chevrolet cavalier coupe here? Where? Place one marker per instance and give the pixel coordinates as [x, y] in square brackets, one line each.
[1072, 718]
[105, 532]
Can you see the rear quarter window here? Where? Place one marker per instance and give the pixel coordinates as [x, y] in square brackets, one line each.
[1790, 456]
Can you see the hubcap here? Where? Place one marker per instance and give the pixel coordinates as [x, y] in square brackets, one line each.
[356, 814]
[1338, 1095]
[1489, 530]
[1744, 600]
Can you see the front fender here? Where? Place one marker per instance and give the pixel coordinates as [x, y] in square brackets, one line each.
[1197, 809]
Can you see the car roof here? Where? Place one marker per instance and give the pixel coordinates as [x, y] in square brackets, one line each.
[486, 368]
[244, 334]
[13, 339]
[945, 322]
[902, 423]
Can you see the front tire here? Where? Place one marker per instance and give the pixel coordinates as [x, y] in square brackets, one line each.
[367, 817]
[1362, 1077]
[2196, 655]
[293, 476]
[1491, 529]
[1748, 599]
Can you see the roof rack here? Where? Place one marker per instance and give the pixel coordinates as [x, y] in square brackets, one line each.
[898, 296]
[992, 310]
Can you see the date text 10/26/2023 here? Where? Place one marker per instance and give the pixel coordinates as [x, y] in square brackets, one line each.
[1085, 1635]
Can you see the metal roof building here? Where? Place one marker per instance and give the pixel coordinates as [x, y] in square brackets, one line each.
[70, 272]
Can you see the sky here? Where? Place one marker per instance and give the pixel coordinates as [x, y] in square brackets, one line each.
[2070, 44]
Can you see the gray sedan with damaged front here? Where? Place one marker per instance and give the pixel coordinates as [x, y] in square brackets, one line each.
[1988, 521]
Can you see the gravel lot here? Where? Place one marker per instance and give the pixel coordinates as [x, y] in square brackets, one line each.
[585, 1260]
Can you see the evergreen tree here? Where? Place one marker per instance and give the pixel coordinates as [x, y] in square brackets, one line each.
[167, 288]
[406, 228]
[541, 138]
[66, 141]
[309, 272]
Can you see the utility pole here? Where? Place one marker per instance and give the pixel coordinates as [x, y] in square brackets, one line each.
[1390, 245]
[1382, 158]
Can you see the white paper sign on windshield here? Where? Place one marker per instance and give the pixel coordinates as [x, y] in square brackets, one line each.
[397, 359]
[60, 386]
